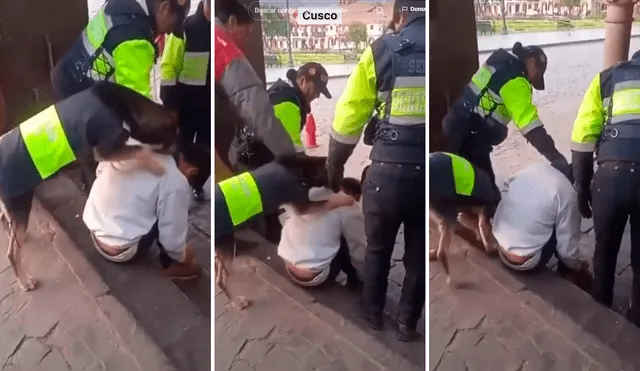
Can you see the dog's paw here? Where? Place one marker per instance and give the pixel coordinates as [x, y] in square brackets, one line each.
[27, 284]
[241, 303]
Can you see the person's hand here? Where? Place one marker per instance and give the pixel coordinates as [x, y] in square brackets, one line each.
[338, 200]
[584, 202]
[187, 269]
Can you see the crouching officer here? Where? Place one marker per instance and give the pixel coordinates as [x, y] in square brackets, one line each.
[185, 72]
[608, 123]
[118, 45]
[500, 92]
[389, 80]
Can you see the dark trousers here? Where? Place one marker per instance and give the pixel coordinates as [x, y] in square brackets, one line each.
[341, 263]
[479, 154]
[403, 187]
[471, 138]
[615, 193]
[145, 243]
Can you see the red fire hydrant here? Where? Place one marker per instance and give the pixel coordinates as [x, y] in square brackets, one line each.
[310, 129]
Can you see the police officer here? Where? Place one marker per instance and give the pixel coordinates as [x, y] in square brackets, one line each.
[185, 72]
[389, 80]
[243, 90]
[608, 123]
[500, 92]
[118, 45]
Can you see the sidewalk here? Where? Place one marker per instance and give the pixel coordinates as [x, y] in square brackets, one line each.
[56, 327]
[491, 43]
[288, 328]
[501, 320]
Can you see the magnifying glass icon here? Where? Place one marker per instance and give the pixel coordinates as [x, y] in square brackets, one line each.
[379, 10]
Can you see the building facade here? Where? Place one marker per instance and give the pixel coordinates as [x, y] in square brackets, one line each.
[332, 37]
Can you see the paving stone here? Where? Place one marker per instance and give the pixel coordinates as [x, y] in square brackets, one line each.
[12, 336]
[280, 359]
[451, 362]
[78, 355]
[54, 361]
[38, 321]
[30, 353]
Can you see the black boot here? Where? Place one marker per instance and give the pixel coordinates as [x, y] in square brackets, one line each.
[374, 321]
[406, 333]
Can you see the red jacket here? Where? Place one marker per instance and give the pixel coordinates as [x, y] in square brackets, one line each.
[236, 77]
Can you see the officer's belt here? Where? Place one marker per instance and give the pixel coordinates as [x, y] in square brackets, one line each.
[624, 131]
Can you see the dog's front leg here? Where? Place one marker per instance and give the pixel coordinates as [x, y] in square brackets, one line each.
[484, 226]
[17, 236]
[222, 273]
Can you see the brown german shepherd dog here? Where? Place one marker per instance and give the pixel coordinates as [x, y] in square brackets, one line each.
[132, 114]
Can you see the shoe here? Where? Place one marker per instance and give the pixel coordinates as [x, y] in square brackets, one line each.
[406, 333]
[374, 321]
[182, 272]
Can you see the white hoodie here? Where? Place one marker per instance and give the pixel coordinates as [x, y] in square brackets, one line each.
[311, 241]
[127, 200]
[537, 200]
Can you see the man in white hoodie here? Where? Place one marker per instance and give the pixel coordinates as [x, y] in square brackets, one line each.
[315, 246]
[129, 208]
[538, 218]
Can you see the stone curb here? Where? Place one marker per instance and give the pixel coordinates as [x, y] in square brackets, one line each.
[596, 331]
[562, 43]
[144, 350]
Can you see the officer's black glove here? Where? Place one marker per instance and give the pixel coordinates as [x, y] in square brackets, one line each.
[584, 202]
[338, 155]
[542, 141]
[582, 164]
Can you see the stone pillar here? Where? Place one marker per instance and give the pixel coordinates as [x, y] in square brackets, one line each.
[617, 31]
[453, 56]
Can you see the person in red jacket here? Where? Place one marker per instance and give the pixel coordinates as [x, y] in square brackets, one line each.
[246, 92]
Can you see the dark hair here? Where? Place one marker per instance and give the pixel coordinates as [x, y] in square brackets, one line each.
[227, 8]
[352, 187]
[292, 75]
[196, 155]
[519, 51]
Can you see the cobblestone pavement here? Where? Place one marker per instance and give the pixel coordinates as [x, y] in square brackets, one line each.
[488, 326]
[57, 327]
[279, 332]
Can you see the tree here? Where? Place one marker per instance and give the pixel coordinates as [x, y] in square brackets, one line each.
[570, 4]
[503, 10]
[275, 23]
[358, 33]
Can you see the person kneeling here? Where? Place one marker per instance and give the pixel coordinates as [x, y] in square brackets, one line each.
[129, 208]
[315, 245]
[537, 219]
